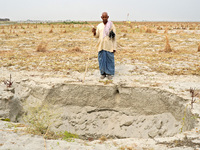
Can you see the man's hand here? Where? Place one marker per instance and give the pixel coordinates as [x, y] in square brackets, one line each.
[94, 31]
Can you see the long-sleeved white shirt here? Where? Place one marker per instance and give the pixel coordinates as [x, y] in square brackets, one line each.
[105, 43]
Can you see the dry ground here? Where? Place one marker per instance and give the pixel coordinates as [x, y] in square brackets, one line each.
[66, 47]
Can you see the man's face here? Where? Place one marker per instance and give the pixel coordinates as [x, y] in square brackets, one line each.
[105, 17]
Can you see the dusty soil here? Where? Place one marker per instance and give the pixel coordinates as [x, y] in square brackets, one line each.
[140, 62]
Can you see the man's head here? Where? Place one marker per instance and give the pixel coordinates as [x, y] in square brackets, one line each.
[104, 17]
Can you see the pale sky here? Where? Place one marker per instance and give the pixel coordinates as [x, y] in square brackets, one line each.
[87, 10]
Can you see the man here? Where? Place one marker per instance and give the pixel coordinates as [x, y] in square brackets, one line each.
[106, 46]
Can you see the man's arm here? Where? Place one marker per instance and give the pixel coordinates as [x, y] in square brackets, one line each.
[95, 32]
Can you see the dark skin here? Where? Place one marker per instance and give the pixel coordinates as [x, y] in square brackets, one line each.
[104, 18]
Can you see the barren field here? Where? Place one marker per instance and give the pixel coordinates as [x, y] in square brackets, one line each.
[152, 103]
[67, 47]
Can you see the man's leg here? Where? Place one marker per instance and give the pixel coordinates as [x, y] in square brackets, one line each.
[102, 63]
[110, 63]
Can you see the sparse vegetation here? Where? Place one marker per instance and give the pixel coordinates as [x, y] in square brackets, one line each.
[70, 44]
[193, 95]
[106, 81]
[76, 50]
[39, 120]
[75, 22]
[8, 83]
[69, 136]
[127, 148]
[184, 119]
[5, 119]
[14, 125]
[185, 142]
[102, 139]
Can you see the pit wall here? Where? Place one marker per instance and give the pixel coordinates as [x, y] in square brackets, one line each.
[96, 110]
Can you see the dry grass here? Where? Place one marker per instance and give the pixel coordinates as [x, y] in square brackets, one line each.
[102, 139]
[166, 30]
[76, 50]
[71, 44]
[128, 148]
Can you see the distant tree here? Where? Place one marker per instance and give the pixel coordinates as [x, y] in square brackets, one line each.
[4, 19]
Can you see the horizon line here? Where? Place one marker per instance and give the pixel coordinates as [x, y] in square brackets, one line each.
[69, 20]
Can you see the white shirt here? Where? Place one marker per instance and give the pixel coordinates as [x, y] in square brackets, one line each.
[105, 43]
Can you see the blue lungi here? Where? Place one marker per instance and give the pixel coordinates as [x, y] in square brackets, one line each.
[106, 62]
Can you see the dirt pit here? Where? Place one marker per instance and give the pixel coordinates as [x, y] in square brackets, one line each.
[92, 111]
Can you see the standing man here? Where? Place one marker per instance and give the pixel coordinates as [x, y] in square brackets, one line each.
[106, 46]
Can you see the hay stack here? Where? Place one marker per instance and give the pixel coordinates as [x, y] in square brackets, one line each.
[3, 32]
[167, 46]
[148, 30]
[51, 31]
[42, 47]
